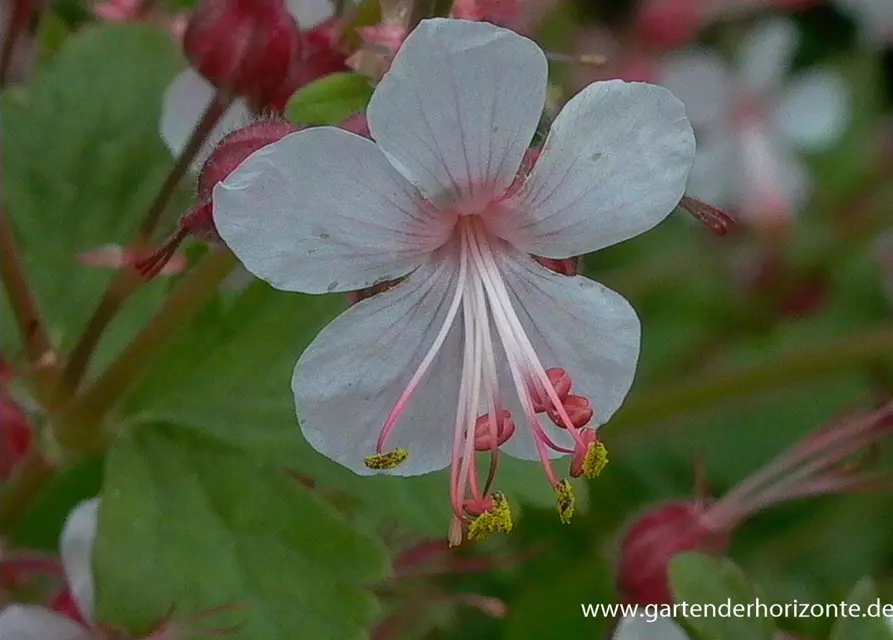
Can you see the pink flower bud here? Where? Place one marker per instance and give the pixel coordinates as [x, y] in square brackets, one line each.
[246, 47]
[232, 150]
[651, 542]
[668, 24]
[229, 153]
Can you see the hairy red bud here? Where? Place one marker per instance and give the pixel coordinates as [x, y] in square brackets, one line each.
[229, 153]
[234, 148]
[246, 47]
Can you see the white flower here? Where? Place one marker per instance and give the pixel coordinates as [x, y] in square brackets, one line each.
[29, 622]
[189, 94]
[875, 17]
[640, 628]
[750, 124]
[464, 341]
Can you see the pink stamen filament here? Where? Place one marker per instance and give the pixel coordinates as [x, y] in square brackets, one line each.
[501, 303]
[457, 492]
[425, 364]
[511, 349]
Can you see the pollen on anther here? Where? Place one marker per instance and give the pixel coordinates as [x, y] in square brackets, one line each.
[596, 459]
[497, 520]
[386, 460]
[565, 494]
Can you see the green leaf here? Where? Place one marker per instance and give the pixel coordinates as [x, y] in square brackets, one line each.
[190, 524]
[52, 32]
[699, 579]
[82, 160]
[329, 100]
[863, 601]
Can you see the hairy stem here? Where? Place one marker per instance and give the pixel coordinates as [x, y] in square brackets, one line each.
[79, 427]
[30, 477]
[37, 344]
[127, 280]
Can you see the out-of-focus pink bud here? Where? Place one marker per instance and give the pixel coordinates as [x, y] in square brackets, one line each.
[15, 434]
[651, 542]
[246, 47]
[668, 24]
[823, 463]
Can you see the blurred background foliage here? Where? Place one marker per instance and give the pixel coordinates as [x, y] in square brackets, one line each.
[735, 368]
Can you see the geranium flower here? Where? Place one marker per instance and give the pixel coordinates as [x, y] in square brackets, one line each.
[189, 94]
[477, 336]
[751, 124]
[31, 622]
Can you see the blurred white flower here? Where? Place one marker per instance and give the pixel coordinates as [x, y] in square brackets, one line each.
[640, 628]
[874, 17]
[30, 622]
[750, 122]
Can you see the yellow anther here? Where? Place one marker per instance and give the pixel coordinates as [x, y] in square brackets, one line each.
[387, 460]
[498, 519]
[595, 460]
[565, 493]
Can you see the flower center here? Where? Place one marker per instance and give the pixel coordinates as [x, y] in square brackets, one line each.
[483, 421]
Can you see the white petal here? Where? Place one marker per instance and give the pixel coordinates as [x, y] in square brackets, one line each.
[815, 109]
[76, 546]
[579, 325]
[459, 106]
[27, 622]
[310, 13]
[639, 628]
[185, 101]
[348, 380]
[767, 53]
[322, 210]
[716, 171]
[874, 16]
[614, 165]
[775, 184]
[702, 80]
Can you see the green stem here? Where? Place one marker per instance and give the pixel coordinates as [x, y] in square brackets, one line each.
[78, 428]
[847, 353]
[127, 282]
[36, 340]
[30, 477]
